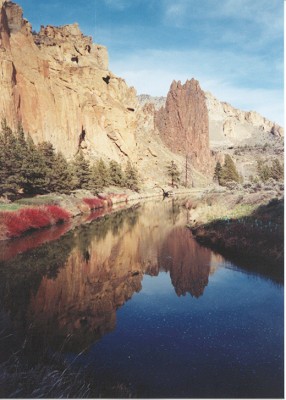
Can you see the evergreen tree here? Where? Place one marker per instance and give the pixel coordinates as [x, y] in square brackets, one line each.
[48, 155]
[229, 172]
[95, 181]
[173, 173]
[30, 169]
[34, 170]
[131, 177]
[217, 172]
[116, 174]
[103, 172]
[10, 162]
[62, 177]
[81, 172]
[263, 171]
[277, 170]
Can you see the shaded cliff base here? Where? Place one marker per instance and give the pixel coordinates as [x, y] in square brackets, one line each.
[247, 229]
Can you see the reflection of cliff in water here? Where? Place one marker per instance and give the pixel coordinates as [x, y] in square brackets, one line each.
[104, 268]
[187, 262]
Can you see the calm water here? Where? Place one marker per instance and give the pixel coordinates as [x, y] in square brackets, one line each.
[155, 312]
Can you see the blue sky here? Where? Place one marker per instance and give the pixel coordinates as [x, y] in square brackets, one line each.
[233, 47]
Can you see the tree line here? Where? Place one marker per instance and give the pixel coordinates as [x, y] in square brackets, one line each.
[29, 169]
[274, 171]
[228, 173]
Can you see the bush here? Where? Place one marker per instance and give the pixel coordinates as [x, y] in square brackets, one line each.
[94, 203]
[26, 219]
[57, 214]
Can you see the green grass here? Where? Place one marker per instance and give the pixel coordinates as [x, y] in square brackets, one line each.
[10, 207]
[251, 235]
[40, 201]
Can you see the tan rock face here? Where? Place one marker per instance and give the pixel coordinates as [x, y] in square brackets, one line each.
[183, 123]
[230, 126]
[56, 83]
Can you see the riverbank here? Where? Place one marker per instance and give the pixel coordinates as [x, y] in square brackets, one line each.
[29, 214]
[246, 228]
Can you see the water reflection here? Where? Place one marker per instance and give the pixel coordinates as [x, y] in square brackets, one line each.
[187, 262]
[72, 287]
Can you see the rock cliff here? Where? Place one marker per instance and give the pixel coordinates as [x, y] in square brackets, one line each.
[183, 123]
[56, 83]
[228, 126]
[231, 126]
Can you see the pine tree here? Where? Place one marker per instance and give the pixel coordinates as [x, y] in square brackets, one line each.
[263, 171]
[277, 170]
[131, 177]
[95, 181]
[116, 174]
[81, 172]
[103, 172]
[62, 175]
[217, 172]
[173, 173]
[47, 153]
[229, 172]
[35, 179]
[10, 162]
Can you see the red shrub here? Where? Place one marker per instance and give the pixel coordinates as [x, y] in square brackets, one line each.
[107, 198]
[31, 241]
[17, 222]
[94, 202]
[35, 217]
[57, 214]
[14, 224]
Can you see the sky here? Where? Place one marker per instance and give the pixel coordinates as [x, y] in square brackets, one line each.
[234, 48]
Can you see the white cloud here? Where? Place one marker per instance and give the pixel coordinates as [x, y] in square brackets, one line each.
[265, 16]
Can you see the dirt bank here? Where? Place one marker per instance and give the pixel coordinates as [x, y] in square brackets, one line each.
[246, 228]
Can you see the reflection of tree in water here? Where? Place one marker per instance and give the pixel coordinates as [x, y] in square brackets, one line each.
[95, 282]
[187, 262]
[175, 211]
[99, 228]
[104, 263]
[21, 276]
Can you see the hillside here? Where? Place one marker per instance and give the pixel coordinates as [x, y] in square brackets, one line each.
[56, 83]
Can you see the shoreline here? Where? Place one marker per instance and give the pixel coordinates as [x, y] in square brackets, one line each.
[249, 233]
[45, 211]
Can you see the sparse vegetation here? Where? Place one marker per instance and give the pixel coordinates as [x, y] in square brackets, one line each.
[274, 171]
[173, 173]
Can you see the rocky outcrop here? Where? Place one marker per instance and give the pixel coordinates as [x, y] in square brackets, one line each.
[158, 102]
[230, 126]
[56, 83]
[183, 123]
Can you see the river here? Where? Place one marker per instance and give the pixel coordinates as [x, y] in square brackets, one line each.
[135, 300]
